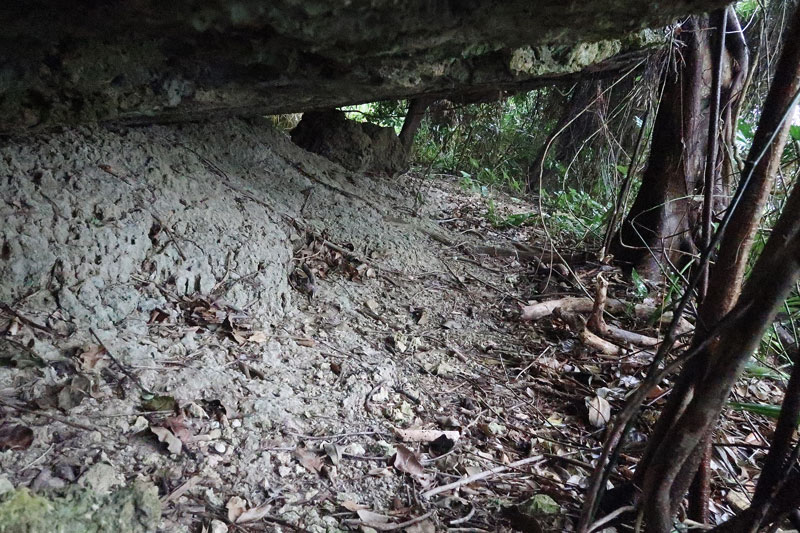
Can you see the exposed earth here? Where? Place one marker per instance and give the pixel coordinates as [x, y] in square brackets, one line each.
[238, 331]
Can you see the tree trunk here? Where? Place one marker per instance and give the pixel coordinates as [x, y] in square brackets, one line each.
[675, 458]
[659, 229]
[677, 444]
[579, 118]
[416, 111]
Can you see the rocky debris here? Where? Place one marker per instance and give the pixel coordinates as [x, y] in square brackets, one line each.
[357, 146]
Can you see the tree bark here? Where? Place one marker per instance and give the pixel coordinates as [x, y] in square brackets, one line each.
[700, 490]
[668, 475]
[676, 448]
[659, 229]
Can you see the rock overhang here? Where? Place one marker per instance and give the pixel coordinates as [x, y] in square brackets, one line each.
[148, 60]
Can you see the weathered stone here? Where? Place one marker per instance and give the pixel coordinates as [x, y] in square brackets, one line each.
[152, 60]
[357, 146]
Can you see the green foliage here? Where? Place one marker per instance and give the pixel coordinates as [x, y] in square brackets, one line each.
[389, 113]
[491, 213]
[745, 131]
[676, 283]
[493, 142]
[755, 370]
[575, 214]
[746, 8]
[520, 219]
[640, 290]
[771, 411]
[471, 185]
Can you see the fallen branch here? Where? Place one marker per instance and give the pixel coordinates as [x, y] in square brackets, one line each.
[425, 435]
[630, 337]
[597, 322]
[574, 304]
[609, 517]
[479, 476]
[28, 322]
[598, 343]
[578, 324]
[518, 250]
[391, 527]
[541, 256]
[54, 418]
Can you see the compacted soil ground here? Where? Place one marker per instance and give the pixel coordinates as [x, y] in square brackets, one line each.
[251, 338]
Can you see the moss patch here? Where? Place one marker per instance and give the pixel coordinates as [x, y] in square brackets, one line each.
[134, 509]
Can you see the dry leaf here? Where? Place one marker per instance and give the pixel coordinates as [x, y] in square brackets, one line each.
[195, 410]
[259, 337]
[425, 435]
[308, 343]
[406, 461]
[236, 507]
[369, 517]
[157, 316]
[251, 515]
[174, 444]
[310, 461]
[73, 393]
[91, 357]
[14, 327]
[15, 437]
[238, 337]
[177, 424]
[334, 452]
[426, 526]
[599, 411]
[217, 526]
[738, 500]
[352, 506]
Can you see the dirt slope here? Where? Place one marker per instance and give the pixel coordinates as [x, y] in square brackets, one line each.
[155, 285]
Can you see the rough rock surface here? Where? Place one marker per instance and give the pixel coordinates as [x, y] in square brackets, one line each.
[158, 240]
[153, 60]
[357, 146]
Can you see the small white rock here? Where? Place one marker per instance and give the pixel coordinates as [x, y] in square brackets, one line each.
[218, 526]
[220, 447]
[5, 485]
